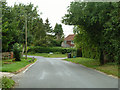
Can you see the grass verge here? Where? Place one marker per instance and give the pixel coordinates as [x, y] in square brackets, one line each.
[109, 68]
[54, 55]
[6, 82]
[14, 66]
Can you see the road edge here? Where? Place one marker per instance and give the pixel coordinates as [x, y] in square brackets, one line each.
[110, 75]
[26, 69]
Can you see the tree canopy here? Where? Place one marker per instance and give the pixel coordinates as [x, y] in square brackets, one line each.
[13, 26]
[58, 30]
[96, 25]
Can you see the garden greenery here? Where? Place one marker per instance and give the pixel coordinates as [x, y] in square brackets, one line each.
[39, 49]
[96, 25]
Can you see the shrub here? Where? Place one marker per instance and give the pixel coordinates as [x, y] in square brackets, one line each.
[38, 49]
[56, 43]
[6, 83]
[17, 52]
[79, 52]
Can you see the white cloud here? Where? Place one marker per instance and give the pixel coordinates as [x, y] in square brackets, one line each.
[54, 10]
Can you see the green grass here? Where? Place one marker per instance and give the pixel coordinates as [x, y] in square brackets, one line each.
[14, 65]
[109, 68]
[6, 82]
[54, 55]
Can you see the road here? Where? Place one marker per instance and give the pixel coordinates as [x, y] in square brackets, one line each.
[57, 73]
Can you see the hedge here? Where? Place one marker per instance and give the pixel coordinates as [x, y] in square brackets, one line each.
[39, 49]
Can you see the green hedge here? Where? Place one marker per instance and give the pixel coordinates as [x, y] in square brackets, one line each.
[38, 49]
[88, 52]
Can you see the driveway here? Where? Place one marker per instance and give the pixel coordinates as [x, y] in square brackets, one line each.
[57, 73]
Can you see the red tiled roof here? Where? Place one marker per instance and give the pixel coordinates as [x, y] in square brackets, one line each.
[69, 37]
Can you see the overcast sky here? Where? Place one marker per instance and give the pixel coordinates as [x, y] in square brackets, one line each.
[54, 10]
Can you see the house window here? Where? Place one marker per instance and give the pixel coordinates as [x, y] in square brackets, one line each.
[72, 42]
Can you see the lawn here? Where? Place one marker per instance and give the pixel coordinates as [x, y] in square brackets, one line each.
[13, 66]
[109, 68]
[54, 55]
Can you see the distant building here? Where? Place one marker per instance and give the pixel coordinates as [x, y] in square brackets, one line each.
[68, 41]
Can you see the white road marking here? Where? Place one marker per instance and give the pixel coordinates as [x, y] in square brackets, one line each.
[43, 75]
[30, 66]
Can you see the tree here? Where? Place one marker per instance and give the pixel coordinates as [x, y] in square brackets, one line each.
[92, 18]
[48, 28]
[58, 31]
[13, 27]
[39, 32]
[8, 27]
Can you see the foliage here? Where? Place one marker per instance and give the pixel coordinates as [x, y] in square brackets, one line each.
[96, 25]
[48, 28]
[6, 83]
[79, 52]
[17, 52]
[56, 43]
[14, 25]
[38, 49]
[58, 31]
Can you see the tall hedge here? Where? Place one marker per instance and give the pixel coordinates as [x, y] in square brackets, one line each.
[38, 49]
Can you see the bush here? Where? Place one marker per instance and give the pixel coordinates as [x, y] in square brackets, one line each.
[6, 82]
[79, 52]
[17, 52]
[56, 43]
[38, 49]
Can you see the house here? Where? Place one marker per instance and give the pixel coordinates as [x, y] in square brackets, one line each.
[68, 41]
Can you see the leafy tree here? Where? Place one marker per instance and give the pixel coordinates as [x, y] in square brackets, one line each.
[13, 27]
[39, 32]
[58, 31]
[7, 27]
[94, 19]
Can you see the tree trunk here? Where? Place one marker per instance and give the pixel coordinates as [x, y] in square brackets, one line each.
[26, 40]
[101, 57]
[57, 37]
[23, 50]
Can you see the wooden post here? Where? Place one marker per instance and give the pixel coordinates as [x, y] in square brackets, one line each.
[26, 37]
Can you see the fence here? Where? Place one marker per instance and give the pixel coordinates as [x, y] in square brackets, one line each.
[7, 55]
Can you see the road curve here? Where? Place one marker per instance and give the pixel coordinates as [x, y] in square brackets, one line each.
[57, 73]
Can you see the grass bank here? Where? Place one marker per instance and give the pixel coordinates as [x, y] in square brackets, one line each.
[13, 66]
[6, 82]
[54, 55]
[109, 68]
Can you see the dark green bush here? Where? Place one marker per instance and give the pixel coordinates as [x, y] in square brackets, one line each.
[79, 52]
[17, 52]
[38, 49]
[64, 51]
[56, 43]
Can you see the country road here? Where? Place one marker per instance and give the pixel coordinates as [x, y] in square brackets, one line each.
[57, 73]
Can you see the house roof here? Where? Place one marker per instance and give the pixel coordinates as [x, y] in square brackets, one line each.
[69, 37]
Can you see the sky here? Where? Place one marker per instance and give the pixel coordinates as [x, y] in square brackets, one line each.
[54, 10]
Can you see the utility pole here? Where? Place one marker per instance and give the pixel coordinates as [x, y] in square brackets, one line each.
[26, 37]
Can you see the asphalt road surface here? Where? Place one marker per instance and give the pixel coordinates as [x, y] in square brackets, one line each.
[57, 73]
